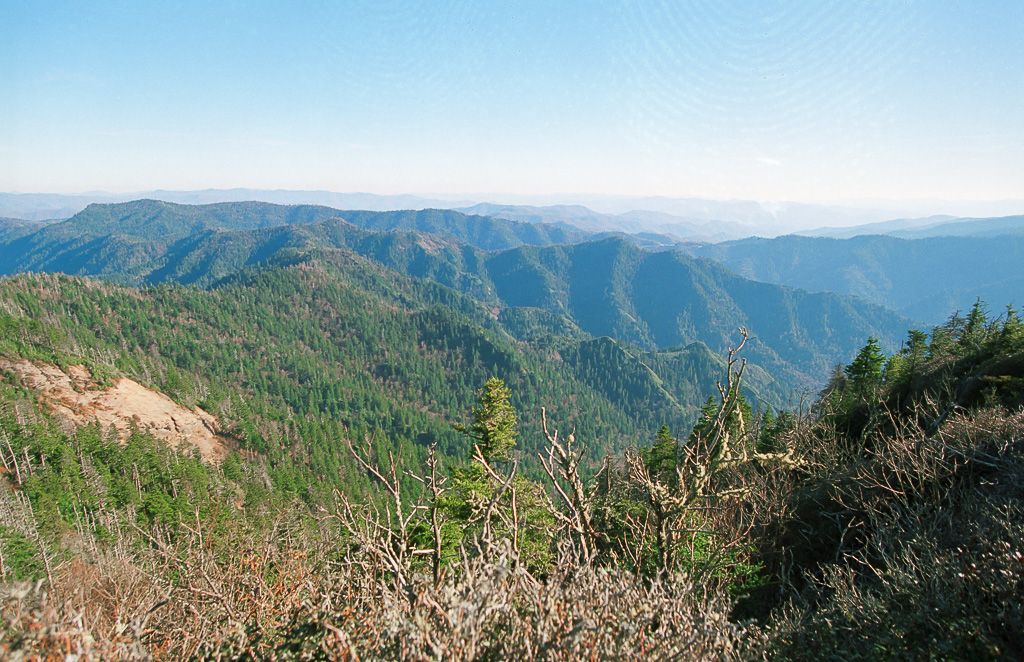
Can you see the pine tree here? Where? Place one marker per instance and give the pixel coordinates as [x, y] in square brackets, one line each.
[976, 327]
[865, 372]
[494, 421]
[773, 428]
[903, 366]
[1011, 335]
[661, 459]
[735, 421]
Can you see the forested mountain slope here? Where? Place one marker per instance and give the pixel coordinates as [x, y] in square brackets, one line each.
[664, 299]
[12, 228]
[886, 518]
[925, 279]
[329, 346]
[599, 288]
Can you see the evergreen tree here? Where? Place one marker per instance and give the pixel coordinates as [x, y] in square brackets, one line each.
[976, 328]
[865, 372]
[735, 422]
[661, 458]
[480, 484]
[903, 366]
[773, 428]
[916, 347]
[946, 337]
[1011, 336]
[494, 421]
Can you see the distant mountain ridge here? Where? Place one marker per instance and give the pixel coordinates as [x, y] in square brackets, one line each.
[122, 238]
[698, 219]
[935, 226]
[635, 221]
[39, 206]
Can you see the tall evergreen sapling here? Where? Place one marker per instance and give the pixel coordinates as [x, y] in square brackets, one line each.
[494, 421]
[662, 458]
[865, 372]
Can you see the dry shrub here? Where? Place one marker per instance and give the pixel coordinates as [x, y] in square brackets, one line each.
[146, 595]
[934, 565]
[495, 610]
[269, 600]
[37, 627]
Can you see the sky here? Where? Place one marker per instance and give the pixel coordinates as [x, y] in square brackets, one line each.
[761, 99]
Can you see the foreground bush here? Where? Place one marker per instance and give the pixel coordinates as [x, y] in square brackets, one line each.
[481, 610]
[928, 562]
[495, 610]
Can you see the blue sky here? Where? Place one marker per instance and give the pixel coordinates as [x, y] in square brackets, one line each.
[766, 100]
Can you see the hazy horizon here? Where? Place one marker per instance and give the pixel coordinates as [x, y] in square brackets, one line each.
[498, 197]
[732, 218]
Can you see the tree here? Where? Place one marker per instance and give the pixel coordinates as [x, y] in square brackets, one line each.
[492, 503]
[734, 422]
[830, 397]
[946, 337]
[771, 438]
[709, 475]
[494, 421]
[661, 458]
[916, 347]
[902, 367]
[1012, 333]
[865, 372]
[976, 327]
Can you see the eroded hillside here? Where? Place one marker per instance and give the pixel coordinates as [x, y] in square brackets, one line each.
[73, 397]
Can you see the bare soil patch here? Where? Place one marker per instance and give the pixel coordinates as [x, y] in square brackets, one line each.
[73, 396]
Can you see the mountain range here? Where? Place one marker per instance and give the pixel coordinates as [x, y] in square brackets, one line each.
[933, 226]
[639, 334]
[697, 219]
[522, 271]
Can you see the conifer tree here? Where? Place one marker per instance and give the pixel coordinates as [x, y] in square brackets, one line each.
[903, 366]
[1011, 336]
[976, 327]
[735, 421]
[494, 421]
[865, 372]
[661, 458]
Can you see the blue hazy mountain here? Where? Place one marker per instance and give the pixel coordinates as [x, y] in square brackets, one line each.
[925, 279]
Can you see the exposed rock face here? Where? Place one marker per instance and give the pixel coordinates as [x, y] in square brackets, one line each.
[73, 396]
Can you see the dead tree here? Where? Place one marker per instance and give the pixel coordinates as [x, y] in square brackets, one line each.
[562, 464]
[382, 537]
[676, 509]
